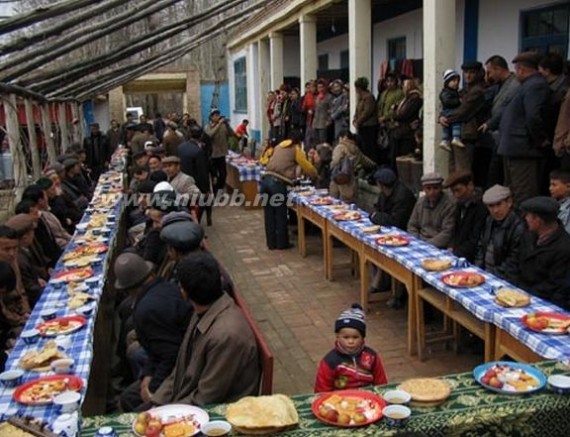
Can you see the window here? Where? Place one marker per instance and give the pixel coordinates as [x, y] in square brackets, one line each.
[344, 59]
[397, 48]
[240, 85]
[546, 29]
[323, 62]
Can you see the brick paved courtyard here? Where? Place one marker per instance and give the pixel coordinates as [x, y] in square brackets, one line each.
[296, 307]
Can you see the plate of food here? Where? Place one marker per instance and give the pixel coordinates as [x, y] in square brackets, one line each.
[371, 229]
[437, 264]
[84, 250]
[41, 391]
[339, 207]
[510, 298]
[82, 261]
[262, 415]
[547, 323]
[509, 377]
[393, 240]
[348, 408]
[170, 420]
[73, 275]
[463, 279]
[426, 391]
[347, 216]
[322, 201]
[61, 326]
[40, 360]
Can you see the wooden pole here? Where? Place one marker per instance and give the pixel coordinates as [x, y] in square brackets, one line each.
[46, 32]
[76, 126]
[81, 123]
[63, 130]
[42, 13]
[18, 156]
[48, 134]
[33, 139]
[45, 54]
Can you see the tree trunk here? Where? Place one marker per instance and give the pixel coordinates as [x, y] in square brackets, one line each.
[45, 54]
[77, 123]
[33, 142]
[18, 156]
[42, 13]
[64, 131]
[46, 128]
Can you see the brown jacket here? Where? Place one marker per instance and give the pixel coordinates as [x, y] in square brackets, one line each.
[14, 303]
[283, 163]
[170, 142]
[562, 132]
[365, 112]
[218, 360]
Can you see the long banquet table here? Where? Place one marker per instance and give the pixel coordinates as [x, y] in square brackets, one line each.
[107, 200]
[405, 264]
[471, 410]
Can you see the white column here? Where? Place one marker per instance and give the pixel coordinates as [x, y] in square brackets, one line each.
[359, 48]
[252, 86]
[439, 55]
[308, 52]
[263, 67]
[276, 57]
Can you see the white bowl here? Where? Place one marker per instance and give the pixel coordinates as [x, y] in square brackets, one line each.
[63, 366]
[221, 426]
[559, 384]
[68, 401]
[397, 397]
[31, 336]
[85, 310]
[11, 378]
[396, 415]
[48, 314]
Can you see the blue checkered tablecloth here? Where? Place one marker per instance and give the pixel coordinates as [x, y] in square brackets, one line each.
[480, 301]
[81, 349]
[246, 172]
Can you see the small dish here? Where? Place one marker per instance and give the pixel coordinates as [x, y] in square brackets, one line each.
[216, 428]
[559, 384]
[63, 366]
[85, 310]
[97, 262]
[397, 415]
[397, 397]
[96, 231]
[63, 342]
[11, 378]
[48, 314]
[92, 282]
[106, 232]
[67, 402]
[31, 336]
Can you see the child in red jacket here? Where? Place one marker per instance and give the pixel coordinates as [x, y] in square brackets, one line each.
[350, 364]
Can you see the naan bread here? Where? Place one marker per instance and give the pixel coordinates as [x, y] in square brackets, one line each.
[78, 300]
[508, 297]
[262, 413]
[426, 389]
[436, 265]
[39, 360]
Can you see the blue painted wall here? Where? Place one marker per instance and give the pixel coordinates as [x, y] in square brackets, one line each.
[207, 93]
[471, 30]
[88, 112]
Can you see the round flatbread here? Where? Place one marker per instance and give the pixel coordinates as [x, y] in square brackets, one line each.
[426, 389]
[436, 265]
[510, 298]
[262, 414]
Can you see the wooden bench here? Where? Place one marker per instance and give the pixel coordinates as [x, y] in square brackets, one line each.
[265, 355]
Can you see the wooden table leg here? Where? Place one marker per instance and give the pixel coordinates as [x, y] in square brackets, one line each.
[363, 282]
[328, 248]
[489, 342]
[420, 328]
[301, 241]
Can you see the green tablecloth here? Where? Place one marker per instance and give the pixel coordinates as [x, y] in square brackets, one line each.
[470, 411]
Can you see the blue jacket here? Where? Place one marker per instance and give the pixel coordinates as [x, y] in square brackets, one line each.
[522, 129]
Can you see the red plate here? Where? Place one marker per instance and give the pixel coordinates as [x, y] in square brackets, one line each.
[74, 323]
[562, 319]
[370, 405]
[346, 216]
[393, 240]
[73, 383]
[322, 201]
[74, 275]
[463, 279]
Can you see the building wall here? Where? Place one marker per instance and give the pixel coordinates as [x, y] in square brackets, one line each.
[333, 47]
[291, 59]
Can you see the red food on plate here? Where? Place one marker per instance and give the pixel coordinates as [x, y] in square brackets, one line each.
[393, 240]
[322, 201]
[61, 326]
[74, 275]
[348, 408]
[463, 279]
[347, 215]
[41, 391]
[547, 323]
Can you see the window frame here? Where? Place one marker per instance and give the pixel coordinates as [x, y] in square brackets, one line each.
[240, 84]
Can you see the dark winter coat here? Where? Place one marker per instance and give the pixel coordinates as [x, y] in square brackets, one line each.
[449, 98]
[396, 209]
[469, 221]
[194, 162]
[471, 112]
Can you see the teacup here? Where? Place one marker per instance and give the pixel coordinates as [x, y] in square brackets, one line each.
[92, 282]
[57, 285]
[216, 428]
[106, 232]
[396, 415]
[48, 314]
[559, 384]
[85, 310]
[111, 218]
[66, 423]
[397, 397]
[67, 402]
[31, 336]
[11, 378]
[63, 342]
[97, 262]
[62, 366]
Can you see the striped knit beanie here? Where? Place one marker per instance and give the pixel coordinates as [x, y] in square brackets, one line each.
[352, 318]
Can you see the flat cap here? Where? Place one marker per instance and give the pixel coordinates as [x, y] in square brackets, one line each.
[70, 162]
[497, 193]
[21, 223]
[56, 166]
[171, 160]
[472, 65]
[530, 59]
[458, 177]
[183, 235]
[175, 217]
[45, 183]
[432, 179]
[541, 206]
[385, 176]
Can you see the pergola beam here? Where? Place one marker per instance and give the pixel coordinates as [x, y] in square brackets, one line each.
[42, 13]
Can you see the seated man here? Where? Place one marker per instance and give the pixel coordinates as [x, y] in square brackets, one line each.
[498, 246]
[433, 216]
[560, 190]
[470, 215]
[545, 252]
[218, 359]
[159, 318]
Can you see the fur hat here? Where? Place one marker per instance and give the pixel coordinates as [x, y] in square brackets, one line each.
[352, 318]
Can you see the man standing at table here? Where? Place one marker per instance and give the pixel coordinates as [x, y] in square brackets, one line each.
[545, 252]
[433, 216]
[218, 359]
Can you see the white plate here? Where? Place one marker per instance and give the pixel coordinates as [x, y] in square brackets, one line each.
[201, 417]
